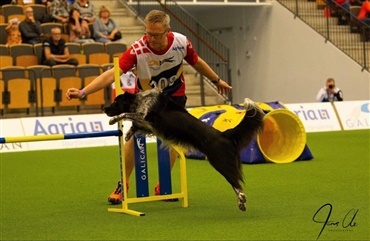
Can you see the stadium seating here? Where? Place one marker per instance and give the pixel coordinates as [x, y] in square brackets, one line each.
[51, 83]
[23, 55]
[11, 9]
[65, 76]
[4, 49]
[95, 53]
[2, 18]
[20, 89]
[46, 28]
[75, 52]
[1, 97]
[3, 34]
[36, 72]
[5, 61]
[37, 48]
[115, 49]
[88, 72]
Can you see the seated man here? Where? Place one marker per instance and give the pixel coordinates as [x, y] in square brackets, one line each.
[55, 50]
[30, 28]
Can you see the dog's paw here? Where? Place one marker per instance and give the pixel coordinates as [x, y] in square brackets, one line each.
[128, 136]
[113, 121]
[241, 198]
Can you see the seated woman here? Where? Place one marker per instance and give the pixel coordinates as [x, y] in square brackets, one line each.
[87, 10]
[105, 28]
[78, 28]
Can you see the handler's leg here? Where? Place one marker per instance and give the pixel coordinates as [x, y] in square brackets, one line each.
[129, 157]
[116, 196]
[173, 157]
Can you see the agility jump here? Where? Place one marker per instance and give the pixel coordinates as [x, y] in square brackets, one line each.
[142, 191]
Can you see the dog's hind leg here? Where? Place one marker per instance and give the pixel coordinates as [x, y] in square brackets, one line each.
[231, 170]
[242, 199]
[131, 132]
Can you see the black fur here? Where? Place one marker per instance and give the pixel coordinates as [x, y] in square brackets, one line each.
[155, 113]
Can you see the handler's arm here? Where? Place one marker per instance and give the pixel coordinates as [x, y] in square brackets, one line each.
[97, 84]
[202, 67]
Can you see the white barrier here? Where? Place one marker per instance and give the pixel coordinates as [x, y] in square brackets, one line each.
[354, 115]
[316, 117]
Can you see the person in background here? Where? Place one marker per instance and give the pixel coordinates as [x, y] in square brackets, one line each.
[59, 10]
[329, 92]
[364, 14]
[55, 50]
[105, 28]
[46, 17]
[79, 31]
[158, 59]
[87, 10]
[30, 28]
[13, 34]
[47, 3]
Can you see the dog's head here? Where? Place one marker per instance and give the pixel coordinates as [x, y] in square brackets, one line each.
[121, 104]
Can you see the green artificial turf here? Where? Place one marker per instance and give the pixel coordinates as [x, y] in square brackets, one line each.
[62, 195]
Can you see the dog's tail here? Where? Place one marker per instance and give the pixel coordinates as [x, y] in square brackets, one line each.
[248, 128]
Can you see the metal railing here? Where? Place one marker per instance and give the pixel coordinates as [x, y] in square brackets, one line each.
[210, 48]
[337, 25]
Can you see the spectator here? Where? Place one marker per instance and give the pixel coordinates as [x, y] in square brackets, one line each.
[364, 14]
[12, 30]
[78, 28]
[59, 10]
[105, 28]
[30, 28]
[87, 10]
[46, 17]
[47, 3]
[55, 50]
[329, 92]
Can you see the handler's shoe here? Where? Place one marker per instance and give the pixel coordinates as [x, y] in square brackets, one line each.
[116, 196]
[157, 192]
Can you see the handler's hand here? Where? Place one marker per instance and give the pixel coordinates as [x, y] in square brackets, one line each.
[73, 93]
[223, 87]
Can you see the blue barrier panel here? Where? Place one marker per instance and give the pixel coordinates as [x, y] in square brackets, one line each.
[141, 166]
[164, 169]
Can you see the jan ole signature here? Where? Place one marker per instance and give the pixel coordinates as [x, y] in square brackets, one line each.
[323, 214]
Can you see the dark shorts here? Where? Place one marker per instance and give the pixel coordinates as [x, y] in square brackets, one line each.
[180, 100]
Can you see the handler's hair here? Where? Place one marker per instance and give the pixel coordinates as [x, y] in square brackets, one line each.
[157, 16]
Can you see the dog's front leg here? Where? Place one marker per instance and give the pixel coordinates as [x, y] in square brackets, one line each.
[124, 116]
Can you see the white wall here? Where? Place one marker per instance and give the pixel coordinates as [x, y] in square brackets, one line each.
[286, 60]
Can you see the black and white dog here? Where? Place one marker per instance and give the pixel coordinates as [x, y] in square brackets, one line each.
[153, 112]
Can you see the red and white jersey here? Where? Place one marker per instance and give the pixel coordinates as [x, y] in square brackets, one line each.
[128, 83]
[162, 69]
